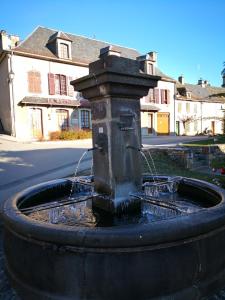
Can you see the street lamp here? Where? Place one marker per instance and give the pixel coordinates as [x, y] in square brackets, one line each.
[11, 76]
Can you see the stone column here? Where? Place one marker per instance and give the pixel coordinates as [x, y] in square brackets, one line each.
[114, 87]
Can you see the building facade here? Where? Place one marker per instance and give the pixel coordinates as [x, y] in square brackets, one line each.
[157, 108]
[36, 97]
[199, 108]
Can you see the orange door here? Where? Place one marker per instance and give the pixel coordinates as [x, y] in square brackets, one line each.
[163, 122]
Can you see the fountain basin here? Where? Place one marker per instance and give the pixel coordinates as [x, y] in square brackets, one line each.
[181, 257]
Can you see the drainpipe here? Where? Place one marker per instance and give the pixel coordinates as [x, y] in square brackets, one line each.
[11, 76]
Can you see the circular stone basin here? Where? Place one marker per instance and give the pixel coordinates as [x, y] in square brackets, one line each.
[181, 257]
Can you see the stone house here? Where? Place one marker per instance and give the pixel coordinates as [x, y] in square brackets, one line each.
[36, 97]
[199, 108]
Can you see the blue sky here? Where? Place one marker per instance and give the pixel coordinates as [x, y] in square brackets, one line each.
[188, 35]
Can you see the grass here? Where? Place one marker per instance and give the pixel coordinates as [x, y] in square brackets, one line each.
[208, 142]
[164, 165]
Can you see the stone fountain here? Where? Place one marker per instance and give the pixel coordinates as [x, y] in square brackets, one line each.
[176, 252]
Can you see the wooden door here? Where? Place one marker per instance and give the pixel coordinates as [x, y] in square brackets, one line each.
[36, 123]
[163, 122]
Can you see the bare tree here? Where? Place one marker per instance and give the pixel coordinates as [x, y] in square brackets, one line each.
[186, 119]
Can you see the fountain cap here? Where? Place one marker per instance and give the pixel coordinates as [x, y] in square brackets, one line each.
[109, 50]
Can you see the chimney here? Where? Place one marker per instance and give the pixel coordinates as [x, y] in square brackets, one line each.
[109, 50]
[181, 79]
[152, 56]
[148, 62]
[223, 85]
[7, 41]
[223, 76]
[201, 82]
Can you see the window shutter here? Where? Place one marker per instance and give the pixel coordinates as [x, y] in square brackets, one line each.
[168, 96]
[156, 95]
[70, 87]
[163, 96]
[30, 86]
[51, 84]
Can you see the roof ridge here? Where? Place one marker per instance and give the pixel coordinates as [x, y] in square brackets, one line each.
[87, 38]
[28, 36]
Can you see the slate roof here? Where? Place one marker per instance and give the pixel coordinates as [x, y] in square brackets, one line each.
[207, 93]
[84, 50]
[161, 74]
[49, 102]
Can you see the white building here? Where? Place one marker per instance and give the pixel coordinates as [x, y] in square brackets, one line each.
[199, 108]
[157, 108]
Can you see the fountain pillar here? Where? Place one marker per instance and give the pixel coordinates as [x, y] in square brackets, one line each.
[114, 87]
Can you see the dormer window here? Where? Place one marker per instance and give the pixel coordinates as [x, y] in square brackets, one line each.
[64, 50]
[189, 95]
[150, 69]
[60, 44]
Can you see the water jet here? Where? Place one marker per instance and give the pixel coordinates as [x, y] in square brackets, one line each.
[122, 235]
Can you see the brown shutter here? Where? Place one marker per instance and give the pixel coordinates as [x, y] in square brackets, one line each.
[70, 87]
[51, 84]
[156, 95]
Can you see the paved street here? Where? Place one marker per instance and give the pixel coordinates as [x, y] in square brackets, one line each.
[26, 164]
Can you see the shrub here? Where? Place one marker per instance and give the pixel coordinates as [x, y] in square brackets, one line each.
[70, 135]
[218, 163]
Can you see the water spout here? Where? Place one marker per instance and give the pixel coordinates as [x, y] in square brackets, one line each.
[133, 148]
[96, 147]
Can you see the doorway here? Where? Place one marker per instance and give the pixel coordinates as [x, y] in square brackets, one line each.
[36, 123]
[163, 121]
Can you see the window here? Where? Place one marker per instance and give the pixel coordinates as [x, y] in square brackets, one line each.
[179, 108]
[195, 126]
[62, 119]
[165, 96]
[64, 51]
[156, 92]
[85, 119]
[57, 84]
[150, 69]
[151, 96]
[189, 95]
[187, 107]
[195, 108]
[34, 82]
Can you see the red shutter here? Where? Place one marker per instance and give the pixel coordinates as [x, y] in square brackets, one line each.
[168, 96]
[163, 96]
[51, 84]
[156, 95]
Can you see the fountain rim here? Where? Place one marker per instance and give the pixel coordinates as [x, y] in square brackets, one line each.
[157, 234]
